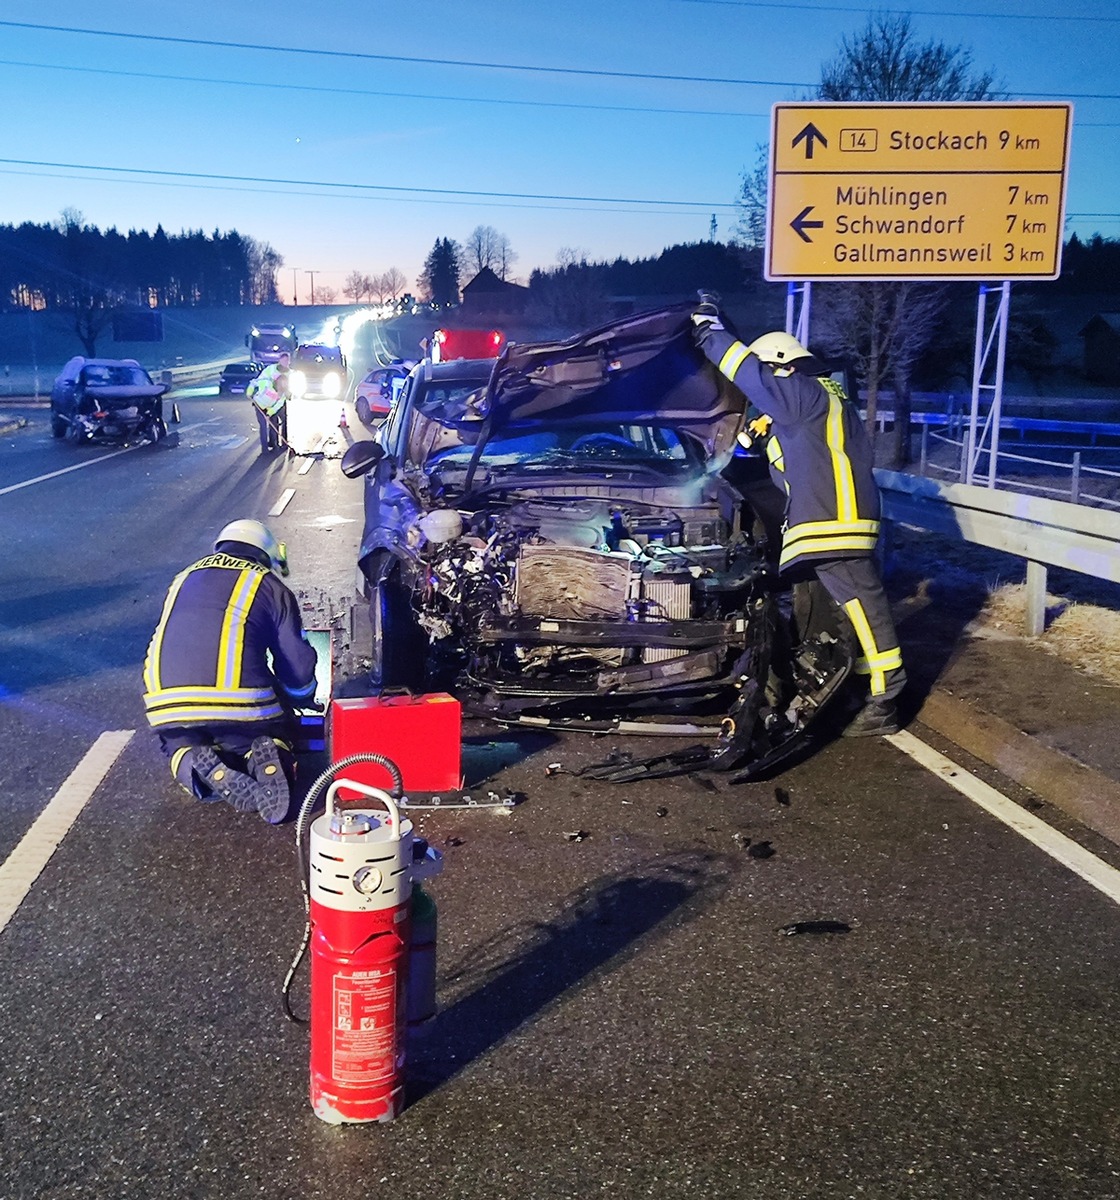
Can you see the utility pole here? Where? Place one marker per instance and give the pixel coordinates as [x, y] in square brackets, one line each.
[312, 274]
[295, 288]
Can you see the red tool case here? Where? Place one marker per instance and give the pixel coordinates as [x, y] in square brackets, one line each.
[421, 734]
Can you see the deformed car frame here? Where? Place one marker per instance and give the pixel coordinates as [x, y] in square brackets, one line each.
[561, 524]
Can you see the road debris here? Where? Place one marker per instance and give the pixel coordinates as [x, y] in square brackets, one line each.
[826, 926]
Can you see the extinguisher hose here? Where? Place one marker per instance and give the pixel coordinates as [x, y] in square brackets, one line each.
[302, 824]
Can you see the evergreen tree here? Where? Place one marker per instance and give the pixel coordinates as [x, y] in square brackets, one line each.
[439, 280]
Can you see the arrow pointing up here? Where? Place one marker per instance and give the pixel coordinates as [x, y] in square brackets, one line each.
[807, 135]
[799, 224]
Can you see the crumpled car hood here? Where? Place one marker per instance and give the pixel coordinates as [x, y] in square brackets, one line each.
[643, 368]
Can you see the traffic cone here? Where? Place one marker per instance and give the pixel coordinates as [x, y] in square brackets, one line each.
[342, 422]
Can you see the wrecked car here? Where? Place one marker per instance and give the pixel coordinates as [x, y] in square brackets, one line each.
[107, 400]
[559, 529]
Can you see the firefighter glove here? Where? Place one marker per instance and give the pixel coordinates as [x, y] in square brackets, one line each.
[705, 321]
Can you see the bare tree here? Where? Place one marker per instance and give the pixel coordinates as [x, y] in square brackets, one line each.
[326, 295]
[504, 257]
[393, 281]
[480, 248]
[355, 287]
[375, 289]
[87, 280]
[885, 327]
[753, 189]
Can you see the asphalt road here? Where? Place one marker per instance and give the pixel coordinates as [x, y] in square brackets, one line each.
[621, 1013]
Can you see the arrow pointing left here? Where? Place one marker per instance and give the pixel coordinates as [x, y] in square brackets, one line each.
[799, 224]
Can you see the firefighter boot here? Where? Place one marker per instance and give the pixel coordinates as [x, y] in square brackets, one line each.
[877, 717]
[272, 782]
[239, 790]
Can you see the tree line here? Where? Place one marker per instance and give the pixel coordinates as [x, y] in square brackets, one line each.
[74, 268]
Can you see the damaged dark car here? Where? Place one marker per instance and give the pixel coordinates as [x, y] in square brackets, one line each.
[107, 400]
[566, 533]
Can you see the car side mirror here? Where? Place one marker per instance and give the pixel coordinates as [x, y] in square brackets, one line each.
[361, 458]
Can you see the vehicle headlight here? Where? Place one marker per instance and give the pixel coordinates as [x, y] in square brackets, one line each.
[297, 383]
[332, 384]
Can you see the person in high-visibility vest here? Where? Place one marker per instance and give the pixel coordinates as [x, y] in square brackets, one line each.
[228, 665]
[269, 394]
[821, 459]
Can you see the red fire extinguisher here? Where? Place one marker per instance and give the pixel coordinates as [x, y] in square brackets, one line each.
[360, 890]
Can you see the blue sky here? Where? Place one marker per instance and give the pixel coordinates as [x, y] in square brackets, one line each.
[569, 112]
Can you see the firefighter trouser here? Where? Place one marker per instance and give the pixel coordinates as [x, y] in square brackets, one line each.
[273, 429]
[855, 585]
[232, 741]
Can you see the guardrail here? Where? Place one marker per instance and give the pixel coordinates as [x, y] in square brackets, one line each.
[178, 376]
[1046, 533]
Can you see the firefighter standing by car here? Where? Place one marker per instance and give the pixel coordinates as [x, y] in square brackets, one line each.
[223, 712]
[821, 458]
[269, 394]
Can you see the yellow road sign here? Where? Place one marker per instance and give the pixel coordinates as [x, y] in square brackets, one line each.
[917, 191]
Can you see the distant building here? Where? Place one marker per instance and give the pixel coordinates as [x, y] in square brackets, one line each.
[1101, 338]
[489, 298]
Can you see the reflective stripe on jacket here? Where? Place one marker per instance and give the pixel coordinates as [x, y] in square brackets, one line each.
[263, 391]
[208, 658]
[819, 455]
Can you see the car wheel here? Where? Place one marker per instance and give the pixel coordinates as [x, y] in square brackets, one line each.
[400, 647]
[59, 425]
[361, 406]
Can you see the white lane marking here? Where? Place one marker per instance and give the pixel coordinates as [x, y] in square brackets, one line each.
[21, 868]
[1092, 869]
[307, 466]
[282, 503]
[15, 487]
[89, 462]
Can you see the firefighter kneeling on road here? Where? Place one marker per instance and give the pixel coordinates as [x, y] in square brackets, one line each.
[820, 457]
[269, 394]
[225, 716]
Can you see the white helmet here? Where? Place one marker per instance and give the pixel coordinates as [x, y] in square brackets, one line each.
[779, 349]
[253, 533]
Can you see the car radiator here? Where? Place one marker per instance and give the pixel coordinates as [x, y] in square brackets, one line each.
[570, 583]
[667, 598]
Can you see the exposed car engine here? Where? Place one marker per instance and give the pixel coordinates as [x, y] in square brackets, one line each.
[538, 563]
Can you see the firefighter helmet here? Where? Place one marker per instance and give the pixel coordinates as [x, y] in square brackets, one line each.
[253, 533]
[779, 349]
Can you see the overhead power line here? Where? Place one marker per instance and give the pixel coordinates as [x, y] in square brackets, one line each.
[337, 91]
[228, 183]
[1049, 17]
[367, 187]
[211, 81]
[530, 68]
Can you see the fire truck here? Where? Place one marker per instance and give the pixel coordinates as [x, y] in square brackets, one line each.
[267, 342]
[447, 344]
